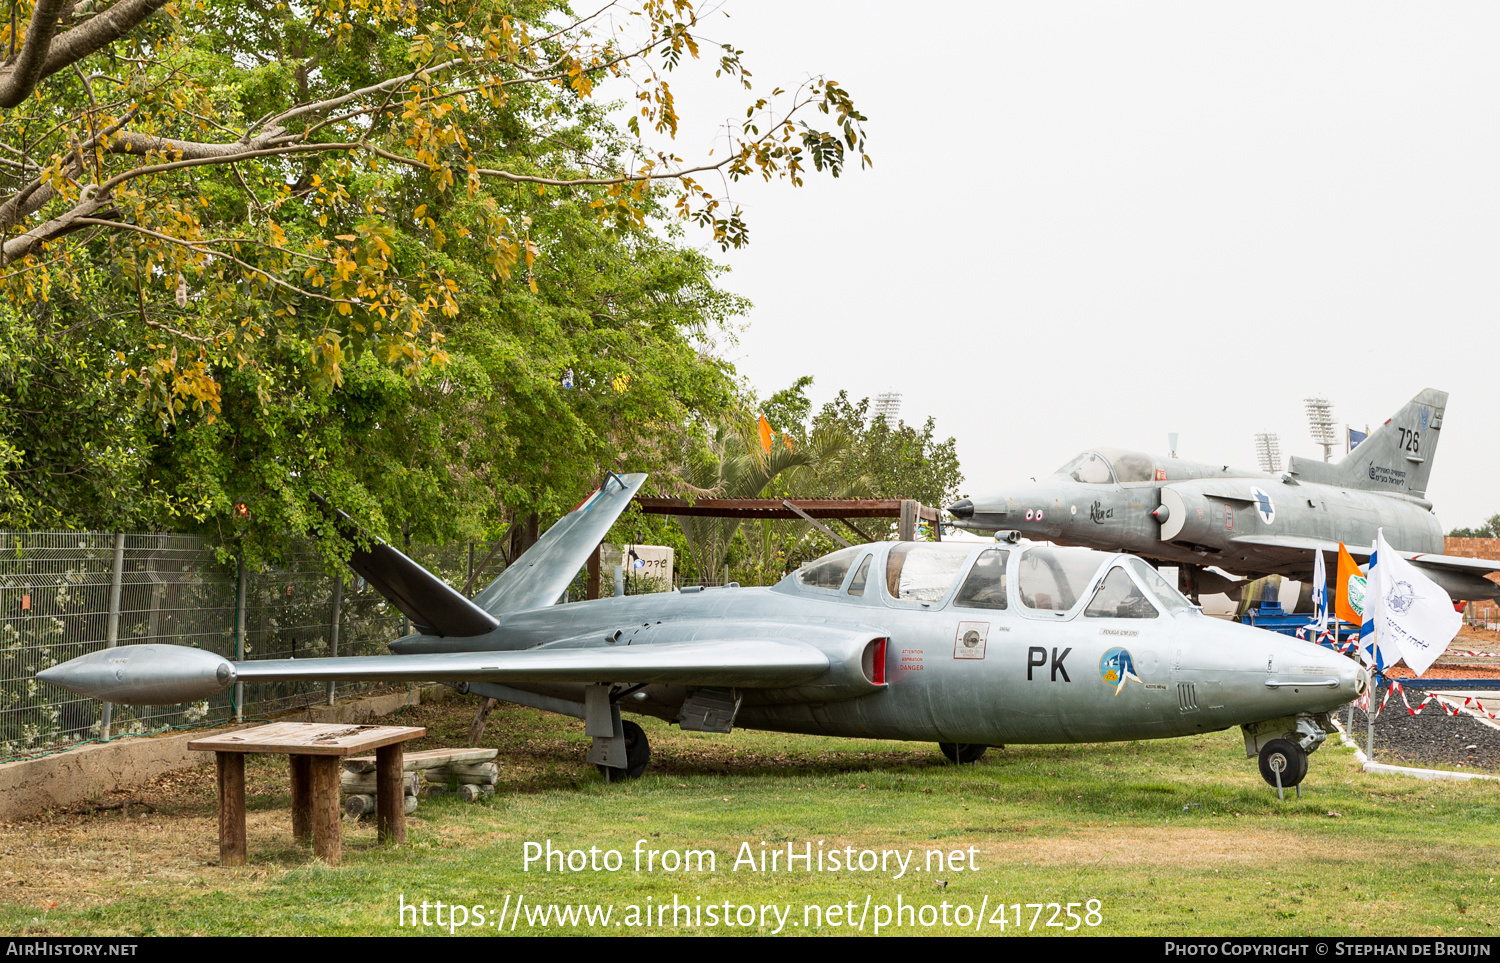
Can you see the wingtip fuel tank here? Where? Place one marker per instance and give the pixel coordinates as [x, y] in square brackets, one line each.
[144, 675]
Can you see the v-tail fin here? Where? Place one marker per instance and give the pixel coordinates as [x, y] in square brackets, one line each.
[544, 571]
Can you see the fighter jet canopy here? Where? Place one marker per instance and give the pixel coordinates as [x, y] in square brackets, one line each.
[1107, 466]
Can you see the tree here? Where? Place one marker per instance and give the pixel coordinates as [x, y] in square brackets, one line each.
[899, 460]
[732, 465]
[358, 245]
[233, 151]
[1490, 529]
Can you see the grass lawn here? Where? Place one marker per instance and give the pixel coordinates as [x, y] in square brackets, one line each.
[1178, 837]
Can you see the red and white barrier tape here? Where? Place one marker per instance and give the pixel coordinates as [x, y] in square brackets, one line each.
[1469, 703]
[1348, 643]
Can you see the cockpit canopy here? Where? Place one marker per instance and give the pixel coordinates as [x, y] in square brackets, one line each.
[1046, 578]
[1107, 466]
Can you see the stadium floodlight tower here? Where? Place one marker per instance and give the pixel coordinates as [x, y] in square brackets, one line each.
[1268, 452]
[887, 403]
[1320, 421]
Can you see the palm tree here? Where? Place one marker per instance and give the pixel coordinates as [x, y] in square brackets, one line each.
[734, 465]
[737, 464]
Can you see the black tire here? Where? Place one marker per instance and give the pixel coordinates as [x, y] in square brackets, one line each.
[1287, 756]
[962, 752]
[637, 754]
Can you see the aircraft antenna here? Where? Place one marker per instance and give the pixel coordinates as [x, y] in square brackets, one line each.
[1268, 452]
[1320, 421]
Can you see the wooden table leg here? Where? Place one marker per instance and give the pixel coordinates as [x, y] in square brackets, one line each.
[390, 794]
[327, 844]
[231, 808]
[301, 797]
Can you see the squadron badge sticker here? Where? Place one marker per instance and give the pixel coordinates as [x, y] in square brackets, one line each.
[1117, 668]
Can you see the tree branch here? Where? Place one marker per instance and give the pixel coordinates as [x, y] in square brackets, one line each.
[30, 65]
[73, 45]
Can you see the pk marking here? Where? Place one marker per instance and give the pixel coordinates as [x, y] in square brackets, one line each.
[1036, 657]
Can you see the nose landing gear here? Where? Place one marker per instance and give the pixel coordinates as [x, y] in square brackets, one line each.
[1283, 764]
[962, 752]
[1283, 746]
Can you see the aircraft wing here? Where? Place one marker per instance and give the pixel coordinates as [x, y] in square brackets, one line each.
[1457, 575]
[169, 674]
[1307, 543]
[738, 662]
[1295, 543]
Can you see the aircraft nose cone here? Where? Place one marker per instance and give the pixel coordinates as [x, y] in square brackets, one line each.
[964, 508]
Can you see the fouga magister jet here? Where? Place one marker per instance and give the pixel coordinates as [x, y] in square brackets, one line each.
[966, 645]
[1243, 521]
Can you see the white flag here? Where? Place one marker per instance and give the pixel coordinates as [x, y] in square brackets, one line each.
[1320, 592]
[1412, 615]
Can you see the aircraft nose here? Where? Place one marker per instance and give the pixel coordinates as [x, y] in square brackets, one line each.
[963, 508]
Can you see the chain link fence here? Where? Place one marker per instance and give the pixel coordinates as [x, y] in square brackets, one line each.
[65, 594]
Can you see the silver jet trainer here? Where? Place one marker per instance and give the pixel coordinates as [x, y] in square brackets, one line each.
[1247, 522]
[968, 646]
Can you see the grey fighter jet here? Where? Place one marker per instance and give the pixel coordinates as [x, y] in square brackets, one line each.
[966, 645]
[1243, 521]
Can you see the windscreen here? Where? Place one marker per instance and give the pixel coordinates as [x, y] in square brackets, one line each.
[1089, 468]
[1171, 599]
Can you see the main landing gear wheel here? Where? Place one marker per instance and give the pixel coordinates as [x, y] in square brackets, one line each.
[637, 754]
[1285, 757]
[962, 752]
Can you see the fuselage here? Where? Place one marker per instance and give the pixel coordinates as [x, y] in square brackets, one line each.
[1188, 513]
[984, 643]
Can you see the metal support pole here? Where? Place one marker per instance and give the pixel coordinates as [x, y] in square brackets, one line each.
[619, 581]
[406, 622]
[333, 631]
[112, 631]
[1370, 718]
[239, 642]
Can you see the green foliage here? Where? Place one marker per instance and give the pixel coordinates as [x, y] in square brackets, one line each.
[1490, 529]
[360, 247]
[899, 460]
[837, 454]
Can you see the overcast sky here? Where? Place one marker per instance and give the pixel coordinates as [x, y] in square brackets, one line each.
[1097, 223]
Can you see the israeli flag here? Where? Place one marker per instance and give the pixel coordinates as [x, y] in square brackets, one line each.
[1369, 652]
[1320, 593]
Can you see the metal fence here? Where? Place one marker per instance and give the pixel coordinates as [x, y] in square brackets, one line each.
[65, 594]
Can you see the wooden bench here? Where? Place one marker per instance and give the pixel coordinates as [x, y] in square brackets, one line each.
[316, 750]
